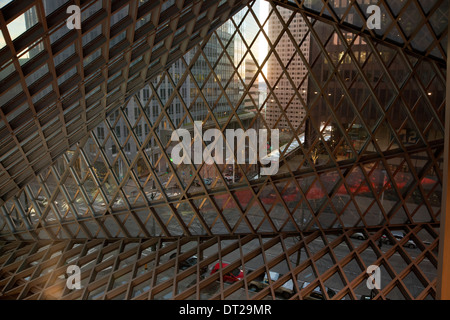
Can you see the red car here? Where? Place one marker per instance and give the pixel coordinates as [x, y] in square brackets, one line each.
[233, 276]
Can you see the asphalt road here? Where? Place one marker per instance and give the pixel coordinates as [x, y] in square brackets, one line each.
[351, 270]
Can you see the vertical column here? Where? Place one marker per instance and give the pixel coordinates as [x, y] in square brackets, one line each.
[443, 284]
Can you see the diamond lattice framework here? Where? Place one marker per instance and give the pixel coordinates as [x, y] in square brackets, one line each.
[418, 27]
[362, 141]
[317, 265]
[375, 163]
[57, 84]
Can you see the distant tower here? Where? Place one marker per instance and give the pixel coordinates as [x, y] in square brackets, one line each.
[284, 90]
[250, 71]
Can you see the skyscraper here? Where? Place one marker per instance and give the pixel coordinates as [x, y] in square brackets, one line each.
[160, 93]
[284, 88]
[253, 91]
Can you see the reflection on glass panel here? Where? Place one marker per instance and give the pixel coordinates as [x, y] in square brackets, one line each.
[86, 13]
[6, 71]
[29, 53]
[91, 35]
[119, 15]
[439, 20]
[16, 112]
[64, 55]
[67, 75]
[9, 94]
[60, 32]
[422, 40]
[141, 2]
[52, 5]
[42, 94]
[117, 39]
[37, 75]
[167, 4]
[410, 18]
[97, 53]
[145, 19]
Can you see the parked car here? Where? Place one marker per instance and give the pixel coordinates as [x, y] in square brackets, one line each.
[262, 281]
[317, 293]
[189, 262]
[399, 235]
[41, 200]
[410, 244]
[233, 276]
[359, 236]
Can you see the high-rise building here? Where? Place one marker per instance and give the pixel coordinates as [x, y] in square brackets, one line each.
[287, 90]
[252, 98]
[188, 94]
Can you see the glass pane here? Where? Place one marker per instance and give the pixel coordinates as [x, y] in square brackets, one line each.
[22, 23]
[2, 40]
[52, 5]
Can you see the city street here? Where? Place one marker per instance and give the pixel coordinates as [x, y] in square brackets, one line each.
[351, 270]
